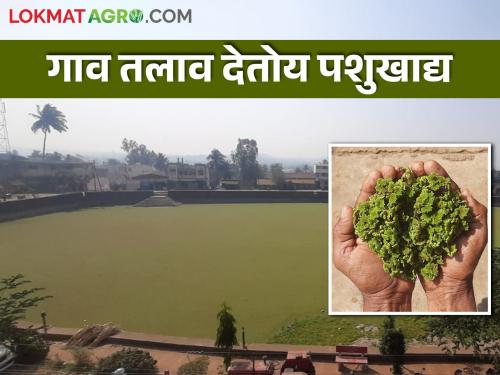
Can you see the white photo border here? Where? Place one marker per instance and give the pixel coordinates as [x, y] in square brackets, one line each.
[331, 146]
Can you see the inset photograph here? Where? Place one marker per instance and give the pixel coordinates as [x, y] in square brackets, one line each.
[409, 229]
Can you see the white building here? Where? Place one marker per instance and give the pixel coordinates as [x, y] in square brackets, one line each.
[321, 174]
[187, 176]
[178, 175]
[145, 177]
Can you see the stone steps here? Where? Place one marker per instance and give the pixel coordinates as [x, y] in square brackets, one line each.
[158, 200]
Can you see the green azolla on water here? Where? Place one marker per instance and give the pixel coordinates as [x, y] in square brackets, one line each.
[412, 223]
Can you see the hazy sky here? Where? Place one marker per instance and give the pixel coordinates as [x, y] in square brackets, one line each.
[282, 127]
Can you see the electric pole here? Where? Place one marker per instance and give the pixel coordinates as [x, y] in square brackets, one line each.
[4, 135]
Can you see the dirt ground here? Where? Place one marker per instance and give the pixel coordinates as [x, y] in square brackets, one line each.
[468, 167]
[171, 361]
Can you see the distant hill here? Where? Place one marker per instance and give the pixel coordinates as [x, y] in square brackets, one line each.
[288, 162]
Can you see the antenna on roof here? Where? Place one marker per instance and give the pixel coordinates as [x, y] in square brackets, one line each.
[4, 135]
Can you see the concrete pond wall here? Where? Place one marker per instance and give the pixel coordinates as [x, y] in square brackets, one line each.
[249, 196]
[11, 210]
[18, 209]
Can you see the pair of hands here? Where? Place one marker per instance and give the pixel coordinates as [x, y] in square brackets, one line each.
[452, 290]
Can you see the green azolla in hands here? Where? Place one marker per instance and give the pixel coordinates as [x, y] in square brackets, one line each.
[412, 223]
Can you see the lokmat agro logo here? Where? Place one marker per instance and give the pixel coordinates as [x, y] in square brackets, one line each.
[45, 15]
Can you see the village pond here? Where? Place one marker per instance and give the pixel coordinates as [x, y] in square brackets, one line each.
[167, 270]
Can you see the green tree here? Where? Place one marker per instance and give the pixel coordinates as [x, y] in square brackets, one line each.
[392, 343]
[277, 175]
[35, 154]
[479, 333]
[218, 166]
[48, 118]
[198, 366]
[138, 153]
[226, 332]
[14, 303]
[55, 156]
[15, 300]
[161, 162]
[245, 157]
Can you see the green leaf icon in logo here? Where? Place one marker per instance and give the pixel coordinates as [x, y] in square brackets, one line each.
[136, 15]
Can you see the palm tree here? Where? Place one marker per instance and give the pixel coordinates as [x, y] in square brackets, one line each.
[218, 165]
[46, 119]
[161, 162]
[216, 158]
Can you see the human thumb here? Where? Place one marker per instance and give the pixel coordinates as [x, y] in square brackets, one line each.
[344, 227]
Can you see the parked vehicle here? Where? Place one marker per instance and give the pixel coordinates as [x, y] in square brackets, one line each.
[298, 362]
[6, 358]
